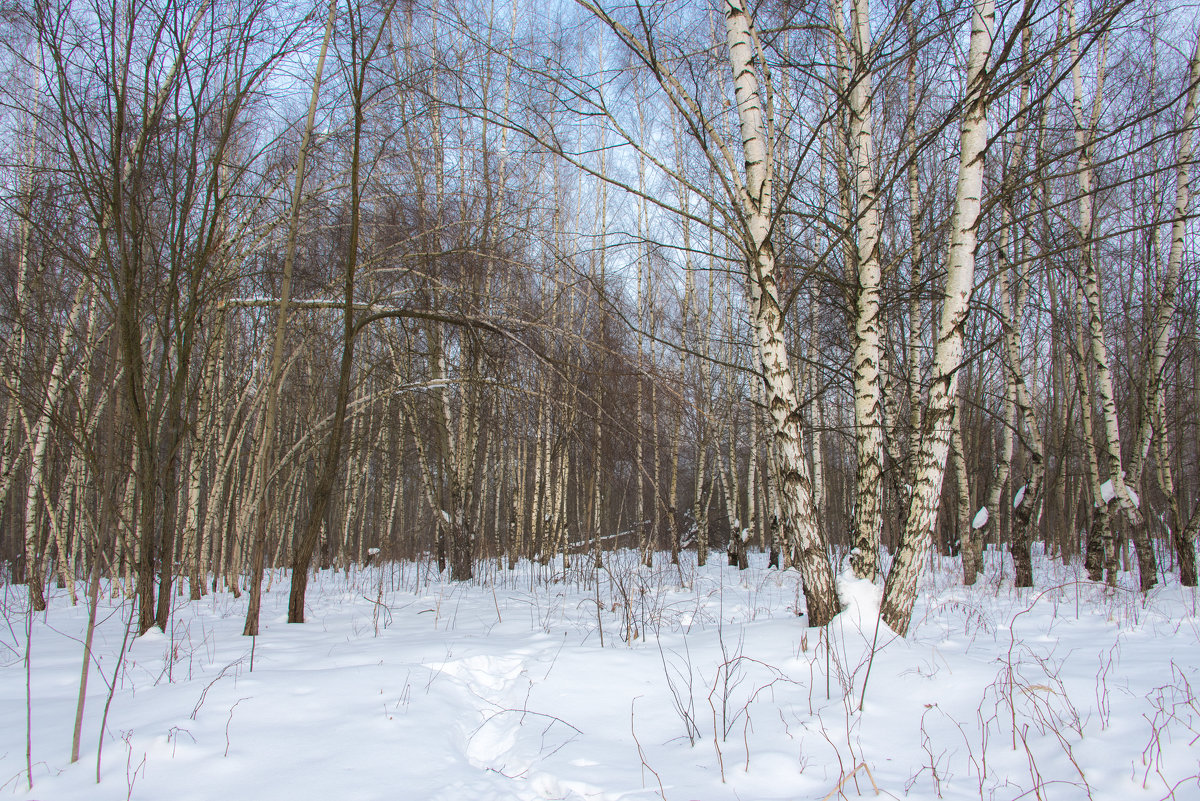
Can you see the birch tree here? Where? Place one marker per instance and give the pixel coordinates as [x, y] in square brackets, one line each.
[900, 589]
[757, 219]
[868, 400]
[1109, 438]
[1152, 390]
[1018, 403]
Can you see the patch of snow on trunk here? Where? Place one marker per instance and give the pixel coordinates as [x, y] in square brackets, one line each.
[981, 518]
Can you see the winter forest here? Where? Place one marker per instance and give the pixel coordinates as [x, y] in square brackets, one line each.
[852, 325]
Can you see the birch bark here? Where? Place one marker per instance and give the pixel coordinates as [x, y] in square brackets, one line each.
[1090, 277]
[14, 346]
[1019, 408]
[39, 439]
[970, 545]
[900, 589]
[1185, 547]
[1099, 544]
[1153, 388]
[868, 399]
[794, 483]
[916, 251]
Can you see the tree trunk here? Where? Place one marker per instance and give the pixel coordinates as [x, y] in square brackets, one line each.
[1185, 549]
[1153, 388]
[39, 441]
[1111, 441]
[970, 541]
[1099, 544]
[900, 589]
[1165, 307]
[275, 367]
[331, 459]
[868, 398]
[794, 484]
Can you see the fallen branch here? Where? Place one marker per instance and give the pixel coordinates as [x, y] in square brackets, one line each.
[860, 766]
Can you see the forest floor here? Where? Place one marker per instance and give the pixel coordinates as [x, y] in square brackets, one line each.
[682, 683]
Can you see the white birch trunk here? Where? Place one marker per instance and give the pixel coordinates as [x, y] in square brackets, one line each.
[500, 488]
[1100, 558]
[900, 589]
[39, 441]
[970, 545]
[10, 450]
[1153, 388]
[126, 550]
[1018, 403]
[429, 484]
[868, 398]
[202, 444]
[644, 306]
[817, 446]
[685, 313]
[701, 500]
[537, 509]
[1185, 546]
[916, 251]
[1111, 441]
[1025, 512]
[517, 545]
[795, 487]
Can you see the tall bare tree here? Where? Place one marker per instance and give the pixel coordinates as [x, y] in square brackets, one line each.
[900, 589]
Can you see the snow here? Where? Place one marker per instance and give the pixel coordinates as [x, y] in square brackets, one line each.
[1020, 496]
[860, 601]
[981, 518]
[153, 634]
[1108, 492]
[680, 682]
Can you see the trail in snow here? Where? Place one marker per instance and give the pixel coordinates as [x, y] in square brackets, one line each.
[673, 682]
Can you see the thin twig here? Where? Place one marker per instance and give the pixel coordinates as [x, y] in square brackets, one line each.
[642, 754]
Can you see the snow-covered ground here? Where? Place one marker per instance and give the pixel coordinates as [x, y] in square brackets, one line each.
[680, 683]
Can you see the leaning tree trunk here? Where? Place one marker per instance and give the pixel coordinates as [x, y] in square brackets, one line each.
[275, 366]
[1153, 387]
[39, 438]
[900, 589]
[794, 484]
[331, 460]
[1111, 434]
